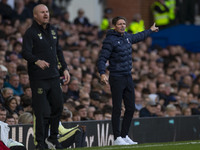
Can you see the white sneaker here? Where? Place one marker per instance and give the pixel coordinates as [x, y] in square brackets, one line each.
[129, 141]
[120, 141]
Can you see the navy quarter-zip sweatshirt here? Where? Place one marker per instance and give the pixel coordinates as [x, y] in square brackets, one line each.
[117, 49]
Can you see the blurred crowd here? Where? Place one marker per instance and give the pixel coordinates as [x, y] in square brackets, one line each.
[167, 80]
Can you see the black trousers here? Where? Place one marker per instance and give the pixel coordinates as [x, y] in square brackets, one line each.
[122, 88]
[46, 99]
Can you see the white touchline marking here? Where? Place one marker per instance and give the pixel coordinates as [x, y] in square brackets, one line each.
[154, 145]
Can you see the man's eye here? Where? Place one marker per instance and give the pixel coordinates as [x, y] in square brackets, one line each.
[121, 24]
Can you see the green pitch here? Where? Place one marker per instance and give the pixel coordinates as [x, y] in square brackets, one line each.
[189, 145]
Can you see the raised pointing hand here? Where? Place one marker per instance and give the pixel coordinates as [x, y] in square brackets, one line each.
[154, 28]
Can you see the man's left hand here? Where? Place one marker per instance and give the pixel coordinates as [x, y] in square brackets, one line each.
[66, 77]
[154, 28]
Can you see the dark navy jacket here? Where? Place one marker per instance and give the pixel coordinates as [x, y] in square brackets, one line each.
[117, 49]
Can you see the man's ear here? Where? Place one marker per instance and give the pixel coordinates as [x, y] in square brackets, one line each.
[34, 15]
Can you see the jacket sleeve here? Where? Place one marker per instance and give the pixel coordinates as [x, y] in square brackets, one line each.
[140, 36]
[104, 55]
[27, 48]
[61, 58]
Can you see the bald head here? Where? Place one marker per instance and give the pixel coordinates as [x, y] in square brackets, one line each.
[37, 8]
[41, 14]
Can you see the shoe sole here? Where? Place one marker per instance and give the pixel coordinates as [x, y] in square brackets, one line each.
[120, 144]
[50, 145]
[132, 143]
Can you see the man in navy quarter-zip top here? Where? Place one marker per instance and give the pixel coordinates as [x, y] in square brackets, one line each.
[117, 49]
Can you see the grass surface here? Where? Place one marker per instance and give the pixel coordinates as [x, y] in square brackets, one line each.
[188, 145]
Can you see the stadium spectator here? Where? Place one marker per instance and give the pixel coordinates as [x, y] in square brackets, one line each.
[14, 84]
[3, 45]
[90, 112]
[13, 58]
[12, 69]
[183, 98]
[11, 105]
[171, 4]
[77, 72]
[195, 89]
[26, 104]
[87, 78]
[96, 87]
[64, 90]
[30, 4]
[21, 68]
[16, 118]
[10, 120]
[186, 111]
[3, 72]
[161, 13]
[106, 22]
[138, 100]
[170, 111]
[149, 110]
[6, 92]
[136, 114]
[84, 91]
[152, 87]
[17, 49]
[73, 89]
[95, 99]
[8, 30]
[194, 106]
[85, 102]
[139, 87]
[18, 98]
[26, 118]
[137, 24]
[161, 93]
[21, 12]
[5, 10]
[65, 17]
[82, 112]
[107, 112]
[76, 116]
[24, 78]
[1, 87]
[66, 116]
[98, 115]
[27, 91]
[70, 105]
[3, 113]
[81, 19]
